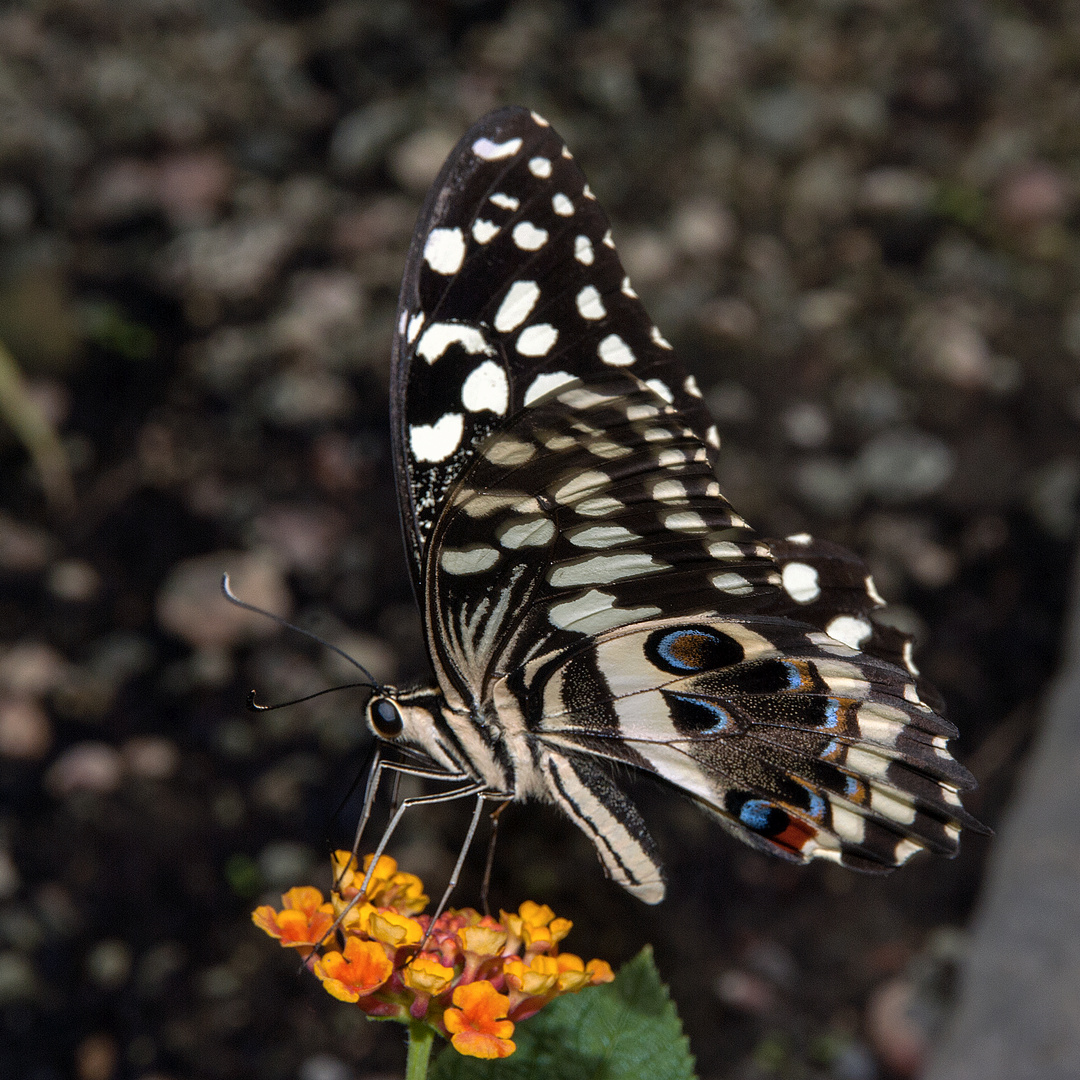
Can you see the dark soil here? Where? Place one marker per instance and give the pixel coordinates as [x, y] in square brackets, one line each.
[857, 222]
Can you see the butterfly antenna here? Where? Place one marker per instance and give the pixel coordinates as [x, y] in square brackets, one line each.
[234, 599]
[255, 707]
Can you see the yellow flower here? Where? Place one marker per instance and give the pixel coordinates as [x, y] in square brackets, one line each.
[393, 929]
[478, 1024]
[533, 979]
[482, 940]
[426, 975]
[304, 921]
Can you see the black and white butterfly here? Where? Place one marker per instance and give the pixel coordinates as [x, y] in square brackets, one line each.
[588, 595]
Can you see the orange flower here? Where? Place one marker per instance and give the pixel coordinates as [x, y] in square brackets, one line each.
[478, 1025]
[599, 971]
[304, 921]
[361, 971]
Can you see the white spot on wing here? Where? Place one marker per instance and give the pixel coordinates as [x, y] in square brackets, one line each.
[483, 231]
[473, 560]
[486, 388]
[661, 389]
[508, 451]
[871, 591]
[597, 506]
[583, 250]
[493, 151]
[659, 339]
[444, 250]
[602, 536]
[537, 340]
[537, 118]
[439, 336]
[735, 584]
[547, 383]
[504, 201]
[532, 532]
[528, 237]
[436, 442]
[850, 630]
[607, 241]
[540, 167]
[669, 491]
[594, 612]
[517, 306]
[587, 192]
[402, 319]
[589, 304]
[712, 437]
[687, 521]
[691, 387]
[614, 351]
[802, 539]
[562, 205]
[414, 327]
[577, 487]
[724, 549]
[801, 582]
[628, 289]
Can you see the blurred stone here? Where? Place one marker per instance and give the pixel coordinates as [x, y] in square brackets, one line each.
[108, 964]
[281, 788]
[235, 261]
[361, 138]
[904, 465]
[190, 603]
[325, 307]
[717, 54]
[415, 162]
[825, 309]
[893, 191]
[324, 1067]
[157, 966]
[745, 992]
[854, 1062]
[124, 188]
[806, 425]
[1034, 195]
[10, 878]
[24, 549]
[58, 909]
[785, 119]
[304, 538]
[17, 979]
[92, 767]
[827, 485]
[647, 255]
[17, 210]
[299, 397]
[729, 317]
[731, 403]
[39, 322]
[118, 656]
[96, 1058]
[897, 1031]
[703, 229]
[32, 669]
[823, 187]
[365, 649]
[861, 111]
[1054, 496]
[74, 580]
[870, 401]
[191, 185]
[950, 344]
[910, 542]
[150, 756]
[25, 730]
[284, 864]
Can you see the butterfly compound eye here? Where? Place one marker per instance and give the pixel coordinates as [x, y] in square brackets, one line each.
[385, 718]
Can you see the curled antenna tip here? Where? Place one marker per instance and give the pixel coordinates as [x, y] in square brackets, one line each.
[251, 704]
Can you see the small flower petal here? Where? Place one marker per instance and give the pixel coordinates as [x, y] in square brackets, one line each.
[478, 1023]
[360, 971]
[393, 929]
[482, 940]
[532, 979]
[599, 971]
[425, 975]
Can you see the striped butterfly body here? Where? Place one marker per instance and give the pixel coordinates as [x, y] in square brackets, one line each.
[590, 599]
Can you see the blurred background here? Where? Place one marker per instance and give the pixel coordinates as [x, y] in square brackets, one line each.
[856, 220]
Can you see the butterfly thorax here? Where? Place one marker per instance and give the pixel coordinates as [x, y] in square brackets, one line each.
[460, 742]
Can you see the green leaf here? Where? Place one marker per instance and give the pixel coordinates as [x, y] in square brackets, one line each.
[626, 1030]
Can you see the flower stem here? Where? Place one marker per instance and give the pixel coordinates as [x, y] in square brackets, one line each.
[420, 1039]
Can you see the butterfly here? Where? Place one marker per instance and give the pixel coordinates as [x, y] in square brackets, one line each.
[591, 601]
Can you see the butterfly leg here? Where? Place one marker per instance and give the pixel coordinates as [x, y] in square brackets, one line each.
[489, 862]
[379, 765]
[483, 796]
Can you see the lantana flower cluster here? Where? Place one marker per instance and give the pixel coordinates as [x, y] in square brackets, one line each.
[475, 978]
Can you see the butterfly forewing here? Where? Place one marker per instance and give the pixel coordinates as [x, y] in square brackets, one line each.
[511, 284]
[589, 596]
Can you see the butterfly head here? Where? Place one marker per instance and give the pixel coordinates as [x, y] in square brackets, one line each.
[413, 719]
